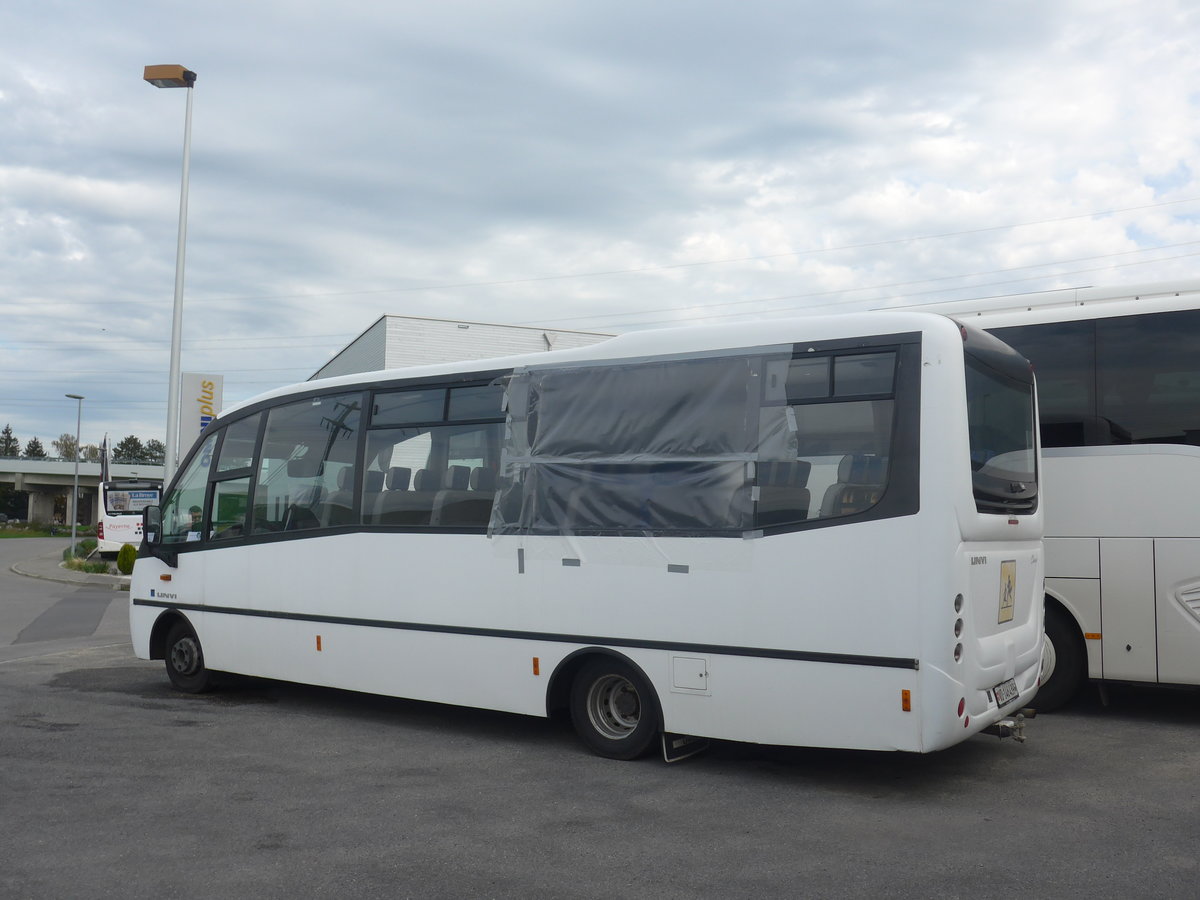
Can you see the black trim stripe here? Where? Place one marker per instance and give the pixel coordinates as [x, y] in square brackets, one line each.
[845, 659]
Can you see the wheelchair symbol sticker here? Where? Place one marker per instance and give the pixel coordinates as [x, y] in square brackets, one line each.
[1008, 590]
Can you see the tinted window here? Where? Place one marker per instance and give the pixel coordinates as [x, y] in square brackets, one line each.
[230, 500]
[1115, 381]
[439, 476]
[409, 407]
[1149, 376]
[476, 402]
[237, 450]
[870, 373]
[183, 510]
[1000, 422]
[306, 474]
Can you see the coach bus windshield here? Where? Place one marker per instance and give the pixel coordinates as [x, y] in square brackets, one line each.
[1000, 416]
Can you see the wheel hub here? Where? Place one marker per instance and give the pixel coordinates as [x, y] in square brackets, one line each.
[184, 656]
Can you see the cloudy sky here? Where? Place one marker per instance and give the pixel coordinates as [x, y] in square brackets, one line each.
[569, 163]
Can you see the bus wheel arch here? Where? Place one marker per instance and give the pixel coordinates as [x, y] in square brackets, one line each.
[1064, 659]
[613, 705]
[174, 640]
[160, 630]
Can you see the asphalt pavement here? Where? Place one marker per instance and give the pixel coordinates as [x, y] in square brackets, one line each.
[112, 784]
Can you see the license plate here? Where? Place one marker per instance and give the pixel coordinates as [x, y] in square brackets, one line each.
[1006, 692]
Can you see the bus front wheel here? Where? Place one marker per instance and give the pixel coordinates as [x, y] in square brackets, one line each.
[185, 660]
[614, 709]
[1063, 661]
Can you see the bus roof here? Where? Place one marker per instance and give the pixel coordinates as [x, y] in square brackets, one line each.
[1069, 304]
[645, 343]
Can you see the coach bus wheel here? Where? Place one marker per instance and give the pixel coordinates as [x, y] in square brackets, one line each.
[614, 710]
[1063, 662]
[185, 660]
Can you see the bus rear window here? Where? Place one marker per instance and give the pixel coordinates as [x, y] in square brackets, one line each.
[1001, 427]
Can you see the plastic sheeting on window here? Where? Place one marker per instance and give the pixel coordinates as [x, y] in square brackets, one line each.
[660, 447]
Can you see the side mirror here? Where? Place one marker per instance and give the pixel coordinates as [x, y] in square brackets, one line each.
[152, 525]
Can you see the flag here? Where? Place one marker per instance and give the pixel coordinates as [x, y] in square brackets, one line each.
[104, 459]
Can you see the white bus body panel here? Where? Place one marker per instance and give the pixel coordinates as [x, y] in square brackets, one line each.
[119, 531]
[1123, 555]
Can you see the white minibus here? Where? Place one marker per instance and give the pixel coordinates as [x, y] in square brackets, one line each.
[819, 532]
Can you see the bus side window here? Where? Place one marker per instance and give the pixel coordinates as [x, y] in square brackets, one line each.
[305, 449]
[182, 511]
[227, 516]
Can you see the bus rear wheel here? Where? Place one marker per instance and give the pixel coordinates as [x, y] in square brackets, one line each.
[185, 660]
[614, 709]
[1063, 661]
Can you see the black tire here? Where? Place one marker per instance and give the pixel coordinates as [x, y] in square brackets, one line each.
[1064, 662]
[614, 709]
[185, 660]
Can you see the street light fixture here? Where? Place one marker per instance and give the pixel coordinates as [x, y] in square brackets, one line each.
[78, 398]
[176, 77]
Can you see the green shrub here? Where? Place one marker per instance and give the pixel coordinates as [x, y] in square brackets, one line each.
[83, 549]
[126, 557]
[95, 567]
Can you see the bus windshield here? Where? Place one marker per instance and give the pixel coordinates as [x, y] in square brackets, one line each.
[120, 500]
[1001, 422]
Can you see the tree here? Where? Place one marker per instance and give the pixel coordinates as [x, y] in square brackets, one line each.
[129, 450]
[34, 449]
[64, 446]
[9, 445]
[90, 453]
[156, 450]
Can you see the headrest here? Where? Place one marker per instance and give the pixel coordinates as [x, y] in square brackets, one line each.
[457, 478]
[346, 479]
[862, 469]
[784, 474]
[374, 482]
[427, 480]
[483, 479]
[397, 478]
[305, 467]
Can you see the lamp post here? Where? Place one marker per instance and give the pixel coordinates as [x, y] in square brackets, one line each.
[176, 77]
[78, 398]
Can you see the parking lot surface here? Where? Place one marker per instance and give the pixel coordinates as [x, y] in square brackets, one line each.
[113, 785]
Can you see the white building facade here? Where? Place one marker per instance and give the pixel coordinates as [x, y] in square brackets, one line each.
[395, 342]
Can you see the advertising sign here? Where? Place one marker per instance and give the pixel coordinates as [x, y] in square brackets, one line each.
[200, 405]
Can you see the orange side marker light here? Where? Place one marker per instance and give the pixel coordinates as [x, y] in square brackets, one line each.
[318, 643]
[537, 666]
[906, 700]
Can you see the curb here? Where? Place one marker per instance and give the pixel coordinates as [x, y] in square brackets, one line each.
[48, 568]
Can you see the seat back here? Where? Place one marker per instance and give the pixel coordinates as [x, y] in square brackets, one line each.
[859, 486]
[783, 494]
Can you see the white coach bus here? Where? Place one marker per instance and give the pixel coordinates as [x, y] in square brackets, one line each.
[1118, 375]
[821, 532]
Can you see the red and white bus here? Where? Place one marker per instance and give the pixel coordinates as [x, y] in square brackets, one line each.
[121, 505]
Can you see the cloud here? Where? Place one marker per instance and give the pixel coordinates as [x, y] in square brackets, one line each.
[594, 165]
